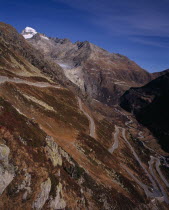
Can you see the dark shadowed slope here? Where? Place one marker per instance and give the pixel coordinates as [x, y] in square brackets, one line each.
[150, 104]
[158, 74]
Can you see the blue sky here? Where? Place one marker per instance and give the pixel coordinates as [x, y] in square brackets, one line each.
[138, 29]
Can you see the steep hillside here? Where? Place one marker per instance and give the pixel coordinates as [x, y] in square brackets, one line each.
[150, 104]
[58, 153]
[158, 74]
[18, 47]
[101, 75]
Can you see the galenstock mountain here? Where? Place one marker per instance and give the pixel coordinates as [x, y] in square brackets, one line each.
[80, 127]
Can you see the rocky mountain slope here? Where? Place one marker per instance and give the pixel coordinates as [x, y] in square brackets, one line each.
[56, 152]
[150, 104]
[101, 75]
[158, 74]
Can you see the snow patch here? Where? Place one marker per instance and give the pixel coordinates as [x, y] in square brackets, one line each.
[28, 36]
[65, 66]
[28, 32]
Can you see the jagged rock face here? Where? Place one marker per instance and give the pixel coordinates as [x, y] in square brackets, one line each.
[50, 159]
[150, 105]
[99, 74]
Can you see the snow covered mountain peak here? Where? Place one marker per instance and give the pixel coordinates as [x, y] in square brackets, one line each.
[28, 32]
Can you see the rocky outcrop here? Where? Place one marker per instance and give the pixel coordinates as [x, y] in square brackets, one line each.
[7, 172]
[25, 185]
[52, 151]
[58, 202]
[43, 195]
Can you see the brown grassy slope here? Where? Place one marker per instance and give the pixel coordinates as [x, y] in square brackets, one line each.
[90, 176]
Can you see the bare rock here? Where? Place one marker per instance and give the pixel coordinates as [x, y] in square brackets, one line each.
[43, 195]
[52, 151]
[58, 202]
[6, 169]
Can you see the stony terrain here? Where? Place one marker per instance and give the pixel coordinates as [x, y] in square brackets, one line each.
[57, 152]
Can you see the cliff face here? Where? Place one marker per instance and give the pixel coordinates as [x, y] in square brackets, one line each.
[56, 152]
[99, 74]
[150, 105]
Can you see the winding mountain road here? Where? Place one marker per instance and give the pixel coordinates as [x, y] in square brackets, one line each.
[143, 186]
[91, 121]
[116, 141]
[157, 190]
[4, 79]
[160, 173]
[151, 163]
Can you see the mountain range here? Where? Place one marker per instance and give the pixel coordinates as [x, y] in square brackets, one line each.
[65, 142]
[99, 74]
